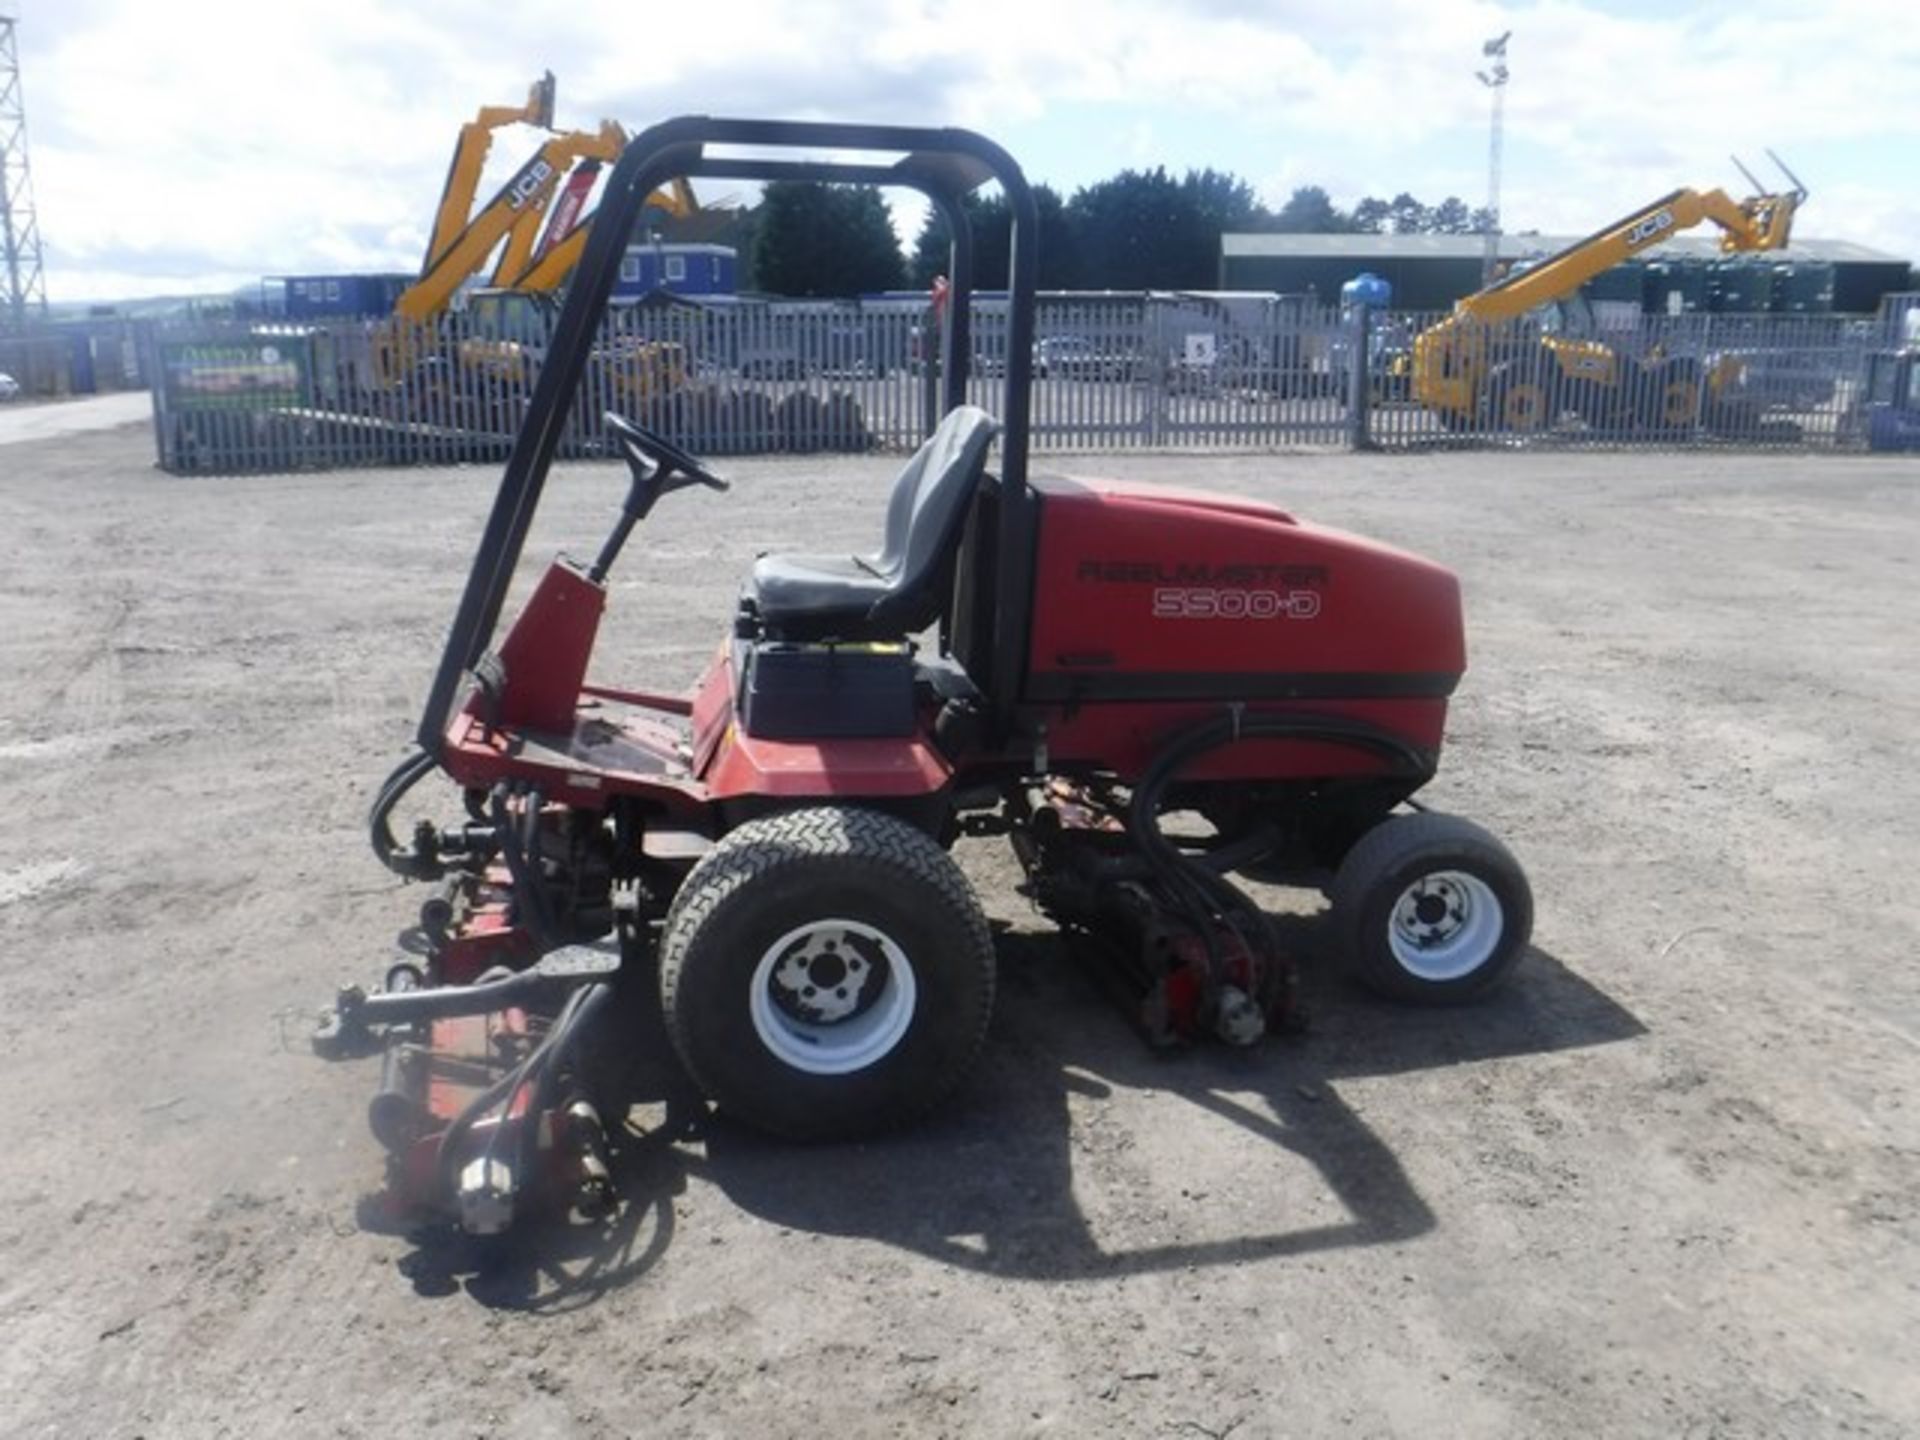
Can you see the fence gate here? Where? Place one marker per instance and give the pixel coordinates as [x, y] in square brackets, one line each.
[1111, 372]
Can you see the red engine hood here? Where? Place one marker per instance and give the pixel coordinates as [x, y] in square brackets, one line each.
[1146, 590]
[1173, 496]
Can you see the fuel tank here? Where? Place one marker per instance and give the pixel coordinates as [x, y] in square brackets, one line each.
[1176, 600]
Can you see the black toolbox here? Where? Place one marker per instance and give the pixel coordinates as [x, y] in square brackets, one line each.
[792, 691]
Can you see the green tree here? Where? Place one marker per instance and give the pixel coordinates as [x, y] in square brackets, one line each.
[1223, 201]
[1311, 211]
[989, 221]
[812, 239]
[1142, 229]
[1371, 215]
[1410, 217]
[1451, 217]
[1405, 215]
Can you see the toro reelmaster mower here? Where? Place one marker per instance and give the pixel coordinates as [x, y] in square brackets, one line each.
[1147, 689]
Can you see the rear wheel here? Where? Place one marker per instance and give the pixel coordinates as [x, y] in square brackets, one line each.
[1431, 909]
[1519, 401]
[826, 973]
[1673, 397]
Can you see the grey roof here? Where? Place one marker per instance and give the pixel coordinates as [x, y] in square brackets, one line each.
[1515, 247]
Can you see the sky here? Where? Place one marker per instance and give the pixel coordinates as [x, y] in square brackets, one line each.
[201, 144]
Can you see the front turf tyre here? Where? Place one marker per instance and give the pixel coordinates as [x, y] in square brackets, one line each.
[826, 973]
[1431, 909]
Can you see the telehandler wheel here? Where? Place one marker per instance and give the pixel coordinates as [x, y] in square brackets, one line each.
[1673, 402]
[1431, 909]
[1519, 402]
[826, 973]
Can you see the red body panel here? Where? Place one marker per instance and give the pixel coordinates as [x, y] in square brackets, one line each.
[1154, 606]
[547, 651]
[1126, 738]
[734, 764]
[582, 742]
[1147, 580]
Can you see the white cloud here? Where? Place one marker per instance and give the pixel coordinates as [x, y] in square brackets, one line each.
[210, 138]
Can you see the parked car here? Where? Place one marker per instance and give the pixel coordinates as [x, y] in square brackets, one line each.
[1789, 379]
[9, 387]
[1080, 357]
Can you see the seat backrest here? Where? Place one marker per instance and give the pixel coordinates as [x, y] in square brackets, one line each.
[924, 514]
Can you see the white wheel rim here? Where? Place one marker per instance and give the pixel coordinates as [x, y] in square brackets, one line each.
[832, 996]
[1445, 925]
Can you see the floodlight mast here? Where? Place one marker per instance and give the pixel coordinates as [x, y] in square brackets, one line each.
[1494, 77]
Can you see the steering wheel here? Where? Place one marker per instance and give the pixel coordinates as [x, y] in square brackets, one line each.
[665, 458]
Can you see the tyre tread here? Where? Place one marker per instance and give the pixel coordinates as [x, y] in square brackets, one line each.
[1383, 848]
[755, 849]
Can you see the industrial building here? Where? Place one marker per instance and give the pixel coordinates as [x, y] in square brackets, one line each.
[698, 271]
[1430, 272]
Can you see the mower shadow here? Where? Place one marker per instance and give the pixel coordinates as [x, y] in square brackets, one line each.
[988, 1184]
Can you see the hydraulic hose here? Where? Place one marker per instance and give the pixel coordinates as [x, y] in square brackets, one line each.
[538, 1069]
[409, 864]
[1230, 729]
[1220, 859]
[1198, 888]
[554, 1053]
[519, 845]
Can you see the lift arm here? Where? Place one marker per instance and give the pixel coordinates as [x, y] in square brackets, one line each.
[561, 249]
[1760, 222]
[522, 196]
[470, 158]
[1450, 359]
[526, 229]
[520, 251]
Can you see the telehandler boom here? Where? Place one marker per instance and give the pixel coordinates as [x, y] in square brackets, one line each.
[1472, 370]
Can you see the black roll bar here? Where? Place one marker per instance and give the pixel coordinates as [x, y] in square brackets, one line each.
[944, 164]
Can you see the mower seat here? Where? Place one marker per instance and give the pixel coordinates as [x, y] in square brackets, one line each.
[897, 591]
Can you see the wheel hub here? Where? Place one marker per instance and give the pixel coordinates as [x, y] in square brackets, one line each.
[1445, 925]
[832, 996]
[825, 978]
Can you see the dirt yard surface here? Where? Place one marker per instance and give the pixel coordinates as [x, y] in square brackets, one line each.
[1667, 1184]
[24, 420]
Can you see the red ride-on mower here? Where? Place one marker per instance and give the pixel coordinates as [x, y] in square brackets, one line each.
[1147, 689]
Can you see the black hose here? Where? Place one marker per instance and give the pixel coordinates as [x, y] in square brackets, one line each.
[519, 841]
[555, 1051]
[1229, 855]
[501, 1093]
[1198, 890]
[1230, 729]
[530, 898]
[409, 864]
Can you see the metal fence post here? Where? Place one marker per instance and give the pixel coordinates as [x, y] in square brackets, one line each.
[162, 439]
[1153, 325]
[932, 352]
[1359, 380]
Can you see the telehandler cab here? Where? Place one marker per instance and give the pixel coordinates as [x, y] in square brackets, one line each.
[1062, 661]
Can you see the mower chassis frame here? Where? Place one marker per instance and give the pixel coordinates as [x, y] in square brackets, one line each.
[944, 164]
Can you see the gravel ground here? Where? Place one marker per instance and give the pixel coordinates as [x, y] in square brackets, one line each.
[1666, 1184]
[24, 420]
